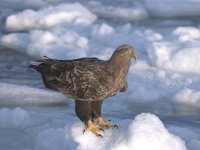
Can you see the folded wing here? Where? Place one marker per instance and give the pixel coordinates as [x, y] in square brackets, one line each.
[82, 79]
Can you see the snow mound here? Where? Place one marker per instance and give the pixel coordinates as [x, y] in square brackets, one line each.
[17, 118]
[136, 12]
[103, 30]
[145, 132]
[187, 33]
[168, 56]
[50, 16]
[185, 60]
[188, 96]
[181, 55]
[148, 132]
[173, 8]
[56, 43]
[19, 94]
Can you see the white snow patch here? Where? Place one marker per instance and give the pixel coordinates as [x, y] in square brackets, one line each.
[103, 30]
[188, 96]
[141, 66]
[56, 43]
[21, 94]
[187, 33]
[50, 16]
[17, 118]
[179, 55]
[132, 13]
[185, 60]
[16, 41]
[162, 57]
[145, 132]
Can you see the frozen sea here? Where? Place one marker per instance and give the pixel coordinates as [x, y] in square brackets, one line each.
[160, 110]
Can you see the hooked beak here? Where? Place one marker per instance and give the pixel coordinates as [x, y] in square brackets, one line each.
[133, 54]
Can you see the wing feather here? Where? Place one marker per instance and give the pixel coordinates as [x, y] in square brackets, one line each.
[82, 79]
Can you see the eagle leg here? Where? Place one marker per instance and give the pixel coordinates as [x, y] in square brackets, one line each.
[105, 124]
[101, 123]
[93, 127]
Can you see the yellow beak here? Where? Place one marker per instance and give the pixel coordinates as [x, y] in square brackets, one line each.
[133, 54]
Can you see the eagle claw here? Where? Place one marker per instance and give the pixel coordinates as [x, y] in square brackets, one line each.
[94, 128]
[99, 135]
[101, 129]
[105, 124]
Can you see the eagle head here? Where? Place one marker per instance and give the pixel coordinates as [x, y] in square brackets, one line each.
[126, 50]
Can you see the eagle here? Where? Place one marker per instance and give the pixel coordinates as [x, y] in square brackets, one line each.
[88, 81]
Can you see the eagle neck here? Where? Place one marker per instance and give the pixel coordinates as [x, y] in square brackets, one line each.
[120, 65]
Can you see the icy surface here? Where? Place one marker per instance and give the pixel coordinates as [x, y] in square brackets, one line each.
[182, 54]
[172, 9]
[136, 12]
[19, 94]
[144, 132]
[75, 14]
[17, 118]
[188, 96]
[163, 81]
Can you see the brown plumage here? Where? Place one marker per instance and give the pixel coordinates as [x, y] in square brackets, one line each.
[89, 81]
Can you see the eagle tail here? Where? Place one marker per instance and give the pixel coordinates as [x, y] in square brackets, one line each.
[48, 76]
[43, 66]
[36, 65]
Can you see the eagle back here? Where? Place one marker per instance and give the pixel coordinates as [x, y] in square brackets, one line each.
[82, 79]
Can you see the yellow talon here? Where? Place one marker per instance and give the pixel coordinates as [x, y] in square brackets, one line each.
[105, 124]
[93, 127]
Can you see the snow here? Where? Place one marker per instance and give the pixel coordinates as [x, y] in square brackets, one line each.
[194, 144]
[187, 33]
[103, 30]
[165, 59]
[18, 4]
[51, 139]
[164, 80]
[135, 13]
[188, 96]
[148, 128]
[181, 54]
[173, 9]
[188, 135]
[144, 132]
[50, 16]
[17, 118]
[182, 60]
[21, 94]
[39, 43]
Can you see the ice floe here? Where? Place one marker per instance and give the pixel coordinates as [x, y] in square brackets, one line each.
[11, 94]
[50, 16]
[146, 131]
